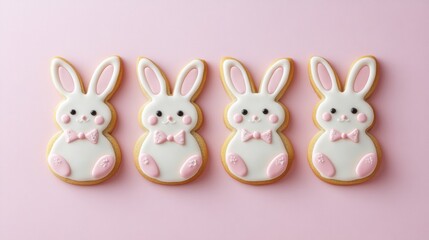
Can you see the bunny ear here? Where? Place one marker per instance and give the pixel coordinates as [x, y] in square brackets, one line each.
[64, 74]
[357, 67]
[236, 84]
[187, 84]
[276, 78]
[151, 78]
[110, 68]
[316, 79]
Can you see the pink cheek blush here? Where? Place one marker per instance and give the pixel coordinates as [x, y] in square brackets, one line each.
[152, 120]
[326, 117]
[187, 120]
[238, 118]
[65, 118]
[361, 117]
[99, 120]
[274, 118]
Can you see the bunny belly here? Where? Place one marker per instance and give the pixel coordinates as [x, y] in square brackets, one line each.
[170, 156]
[344, 154]
[256, 154]
[82, 155]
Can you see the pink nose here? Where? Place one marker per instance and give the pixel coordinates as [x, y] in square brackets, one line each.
[84, 118]
[255, 118]
[344, 117]
[169, 118]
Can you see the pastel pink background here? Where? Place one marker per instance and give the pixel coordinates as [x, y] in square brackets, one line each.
[36, 205]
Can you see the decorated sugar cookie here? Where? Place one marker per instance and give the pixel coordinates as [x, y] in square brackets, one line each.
[84, 152]
[171, 152]
[343, 152]
[256, 152]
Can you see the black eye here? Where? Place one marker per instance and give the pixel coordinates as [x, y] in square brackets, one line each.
[159, 113]
[93, 112]
[333, 110]
[73, 112]
[354, 110]
[180, 113]
[244, 111]
[265, 111]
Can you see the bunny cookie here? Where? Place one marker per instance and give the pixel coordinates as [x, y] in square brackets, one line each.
[171, 152]
[84, 152]
[256, 152]
[343, 152]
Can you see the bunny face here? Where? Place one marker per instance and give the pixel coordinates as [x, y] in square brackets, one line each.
[255, 112]
[170, 112]
[84, 111]
[343, 110]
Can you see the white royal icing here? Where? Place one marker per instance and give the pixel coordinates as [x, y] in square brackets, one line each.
[82, 155]
[257, 152]
[170, 156]
[344, 152]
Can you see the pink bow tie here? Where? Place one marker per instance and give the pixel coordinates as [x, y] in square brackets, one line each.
[265, 136]
[91, 136]
[335, 135]
[160, 137]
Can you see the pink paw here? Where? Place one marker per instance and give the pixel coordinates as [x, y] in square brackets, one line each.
[277, 166]
[366, 165]
[148, 165]
[103, 166]
[59, 165]
[323, 165]
[236, 165]
[191, 166]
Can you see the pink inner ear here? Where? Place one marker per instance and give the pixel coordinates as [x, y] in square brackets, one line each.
[324, 77]
[104, 79]
[66, 80]
[361, 79]
[152, 80]
[189, 81]
[237, 80]
[275, 80]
